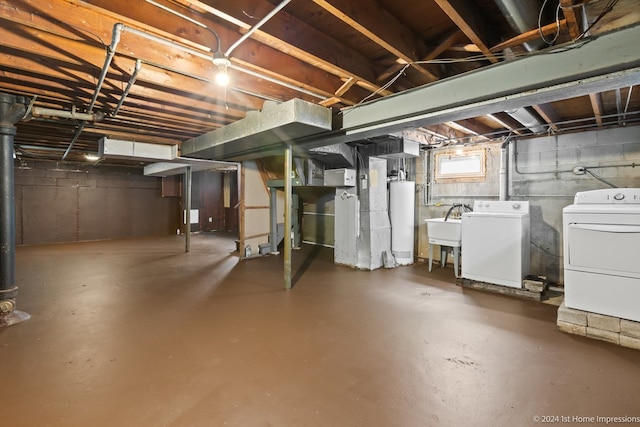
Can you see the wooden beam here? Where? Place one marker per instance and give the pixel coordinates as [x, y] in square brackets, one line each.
[348, 84]
[597, 106]
[502, 119]
[374, 22]
[433, 54]
[529, 36]
[467, 20]
[548, 114]
[250, 54]
[291, 36]
[471, 127]
[572, 18]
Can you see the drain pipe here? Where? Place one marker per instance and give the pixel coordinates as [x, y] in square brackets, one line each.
[73, 114]
[12, 109]
[504, 168]
[132, 80]
[111, 51]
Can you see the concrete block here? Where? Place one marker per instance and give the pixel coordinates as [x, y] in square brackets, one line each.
[67, 182]
[572, 328]
[606, 323]
[56, 173]
[24, 180]
[630, 328]
[603, 335]
[45, 181]
[534, 285]
[630, 342]
[570, 315]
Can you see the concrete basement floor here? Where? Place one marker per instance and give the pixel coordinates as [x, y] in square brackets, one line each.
[139, 333]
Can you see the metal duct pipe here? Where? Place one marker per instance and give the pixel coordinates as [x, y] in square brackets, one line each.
[132, 80]
[111, 51]
[522, 16]
[504, 168]
[255, 27]
[528, 120]
[50, 112]
[12, 109]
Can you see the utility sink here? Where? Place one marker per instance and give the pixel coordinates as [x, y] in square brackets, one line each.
[444, 233]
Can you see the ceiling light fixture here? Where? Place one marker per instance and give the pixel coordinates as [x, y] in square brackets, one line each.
[92, 157]
[222, 62]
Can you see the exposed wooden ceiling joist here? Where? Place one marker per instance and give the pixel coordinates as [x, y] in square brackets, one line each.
[463, 15]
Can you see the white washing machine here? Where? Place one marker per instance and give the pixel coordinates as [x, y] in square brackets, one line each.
[601, 233]
[495, 242]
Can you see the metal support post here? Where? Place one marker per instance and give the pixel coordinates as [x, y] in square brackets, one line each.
[187, 206]
[273, 219]
[295, 218]
[12, 109]
[287, 216]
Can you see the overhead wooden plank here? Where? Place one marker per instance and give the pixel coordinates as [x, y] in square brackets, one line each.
[250, 54]
[41, 33]
[507, 122]
[348, 84]
[370, 19]
[294, 37]
[572, 17]
[598, 108]
[472, 127]
[51, 65]
[549, 115]
[433, 54]
[530, 36]
[462, 14]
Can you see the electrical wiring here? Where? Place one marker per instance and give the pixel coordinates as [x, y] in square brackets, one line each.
[599, 178]
[608, 8]
[552, 41]
[472, 58]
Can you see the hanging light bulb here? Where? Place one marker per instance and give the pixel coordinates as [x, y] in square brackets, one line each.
[222, 62]
[222, 78]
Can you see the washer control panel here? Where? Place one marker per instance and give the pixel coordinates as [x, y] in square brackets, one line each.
[607, 196]
[501, 206]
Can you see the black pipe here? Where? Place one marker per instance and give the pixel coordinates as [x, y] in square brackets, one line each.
[12, 109]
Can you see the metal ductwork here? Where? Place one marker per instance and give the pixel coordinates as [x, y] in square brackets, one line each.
[528, 120]
[334, 156]
[261, 133]
[522, 16]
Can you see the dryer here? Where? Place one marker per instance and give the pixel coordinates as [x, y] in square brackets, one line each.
[601, 232]
[495, 242]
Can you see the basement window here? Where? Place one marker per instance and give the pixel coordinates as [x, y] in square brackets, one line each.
[460, 165]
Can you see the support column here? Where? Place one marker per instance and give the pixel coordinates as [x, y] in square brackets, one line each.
[287, 216]
[187, 206]
[273, 219]
[12, 109]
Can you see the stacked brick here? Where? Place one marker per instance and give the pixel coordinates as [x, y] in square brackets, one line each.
[606, 328]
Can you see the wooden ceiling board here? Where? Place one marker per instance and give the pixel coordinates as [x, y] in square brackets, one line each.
[332, 52]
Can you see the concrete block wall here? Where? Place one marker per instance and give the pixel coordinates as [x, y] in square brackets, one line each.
[540, 171]
[63, 202]
[597, 326]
